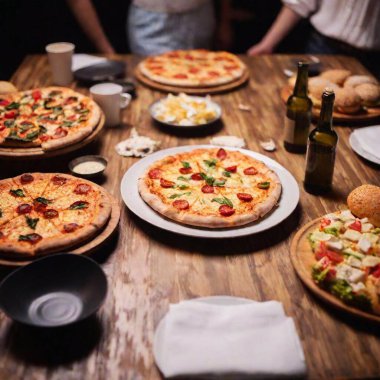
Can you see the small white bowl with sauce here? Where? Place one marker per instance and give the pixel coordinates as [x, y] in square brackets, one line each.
[88, 166]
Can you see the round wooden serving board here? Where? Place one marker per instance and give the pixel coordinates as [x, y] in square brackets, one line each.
[37, 152]
[192, 90]
[90, 246]
[303, 260]
[366, 115]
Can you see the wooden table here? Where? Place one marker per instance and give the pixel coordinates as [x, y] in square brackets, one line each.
[148, 268]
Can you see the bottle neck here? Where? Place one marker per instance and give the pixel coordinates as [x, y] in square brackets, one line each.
[325, 121]
[300, 89]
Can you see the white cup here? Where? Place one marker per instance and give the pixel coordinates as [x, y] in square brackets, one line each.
[111, 100]
[60, 57]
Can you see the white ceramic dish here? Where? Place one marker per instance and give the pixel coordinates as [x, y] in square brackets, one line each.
[212, 300]
[357, 146]
[129, 192]
[216, 106]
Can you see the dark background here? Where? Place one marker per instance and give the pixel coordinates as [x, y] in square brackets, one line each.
[26, 26]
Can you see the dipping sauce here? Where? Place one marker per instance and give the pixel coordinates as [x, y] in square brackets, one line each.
[89, 167]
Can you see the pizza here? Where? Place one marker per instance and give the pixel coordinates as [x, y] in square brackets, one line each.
[193, 68]
[346, 263]
[50, 118]
[210, 187]
[48, 212]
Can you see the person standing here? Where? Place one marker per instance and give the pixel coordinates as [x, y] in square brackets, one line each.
[348, 27]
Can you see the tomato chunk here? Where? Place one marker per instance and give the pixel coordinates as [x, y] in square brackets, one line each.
[226, 210]
[166, 184]
[244, 197]
[357, 226]
[181, 204]
[250, 171]
[231, 169]
[207, 189]
[221, 154]
[196, 177]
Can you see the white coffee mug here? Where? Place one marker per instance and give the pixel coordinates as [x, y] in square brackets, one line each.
[111, 100]
[60, 58]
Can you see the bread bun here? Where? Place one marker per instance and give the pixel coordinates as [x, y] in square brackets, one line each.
[347, 100]
[364, 202]
[369, 93]
[7, 88]
[336, 76]
[356, 80]
[316, 87]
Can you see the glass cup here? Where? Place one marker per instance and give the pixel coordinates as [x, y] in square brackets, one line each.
[111, 100]
[60, 58]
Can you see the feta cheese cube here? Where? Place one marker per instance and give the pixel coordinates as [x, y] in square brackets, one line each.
[354, 262]
[346, 215]
[371, 261]
[364, 244]
[348, 273]
[357, 287]
[352, 235]
[367, 227]
[335, 245]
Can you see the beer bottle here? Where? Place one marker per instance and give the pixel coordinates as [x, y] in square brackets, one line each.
[298, 113]
[321, 148]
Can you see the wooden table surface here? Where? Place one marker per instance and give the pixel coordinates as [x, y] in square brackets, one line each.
[148, 268]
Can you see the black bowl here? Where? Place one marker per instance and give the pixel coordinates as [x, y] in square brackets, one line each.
[54, 291]
[100, 72]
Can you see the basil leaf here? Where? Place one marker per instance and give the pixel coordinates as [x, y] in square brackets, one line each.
[84, 111]
[263, 185]
[78, 205]
[185, 164]
[42, 129]
[57, 109]
[13, 136]
[32, 135]
[32, 222]
[219, 182]
[211, 162]
[12, 106]
[223, 201]
[34, 106]
[43, 200]
[226, 173]
[182, 187]
[17, 193]
[26, 126]
[67, 124]
[182, 178]
[54, 92]
[9, 123]
[177, 195]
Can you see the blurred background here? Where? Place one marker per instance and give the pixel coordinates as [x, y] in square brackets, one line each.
[27, 26]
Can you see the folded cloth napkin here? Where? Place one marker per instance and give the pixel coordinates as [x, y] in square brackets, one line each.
[83, 60]
[255, 339]
[369, 139]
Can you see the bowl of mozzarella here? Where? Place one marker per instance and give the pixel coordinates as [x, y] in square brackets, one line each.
[185, 111]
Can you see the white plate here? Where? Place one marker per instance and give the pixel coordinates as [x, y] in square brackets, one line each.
[215, 105]
[212, 300]
[129, 192]
[356, 146]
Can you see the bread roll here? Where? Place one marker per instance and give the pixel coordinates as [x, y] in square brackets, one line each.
[347, 100]
[356, 80]
[337, 76]
[364, 202]
[316, 87]
[369, 93]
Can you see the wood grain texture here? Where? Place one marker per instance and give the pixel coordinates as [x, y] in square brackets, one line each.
[148, 268]
[303, 260]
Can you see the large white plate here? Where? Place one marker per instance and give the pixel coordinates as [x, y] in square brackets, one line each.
[216, 106]
[129, 192]
[357, 147]
[212, 300]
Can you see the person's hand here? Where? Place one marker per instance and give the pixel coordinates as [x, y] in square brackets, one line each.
[260, 48]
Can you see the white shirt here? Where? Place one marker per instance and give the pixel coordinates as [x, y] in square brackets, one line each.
[356, 22]
[169, 6]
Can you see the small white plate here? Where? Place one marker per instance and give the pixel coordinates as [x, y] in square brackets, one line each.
[130, 194]
[212, 300]
[216, 106]
[357, 146]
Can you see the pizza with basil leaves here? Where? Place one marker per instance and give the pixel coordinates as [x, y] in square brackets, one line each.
[42, 213]
[50, 118]
[212, 188]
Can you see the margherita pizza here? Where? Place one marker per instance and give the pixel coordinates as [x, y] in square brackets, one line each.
[42, 213]
[211, 188]
[51, 117]
[193, 68]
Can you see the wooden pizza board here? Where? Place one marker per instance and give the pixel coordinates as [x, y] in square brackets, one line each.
[368, 114]
[38, 153]
[85, 249]
[192, 90]
[303, 260]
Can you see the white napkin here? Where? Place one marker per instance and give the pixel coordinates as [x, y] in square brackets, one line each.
[83, 60]
[255, 339]
[369, 140]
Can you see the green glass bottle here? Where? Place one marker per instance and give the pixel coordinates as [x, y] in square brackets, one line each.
[321, 149]
[298, 113]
